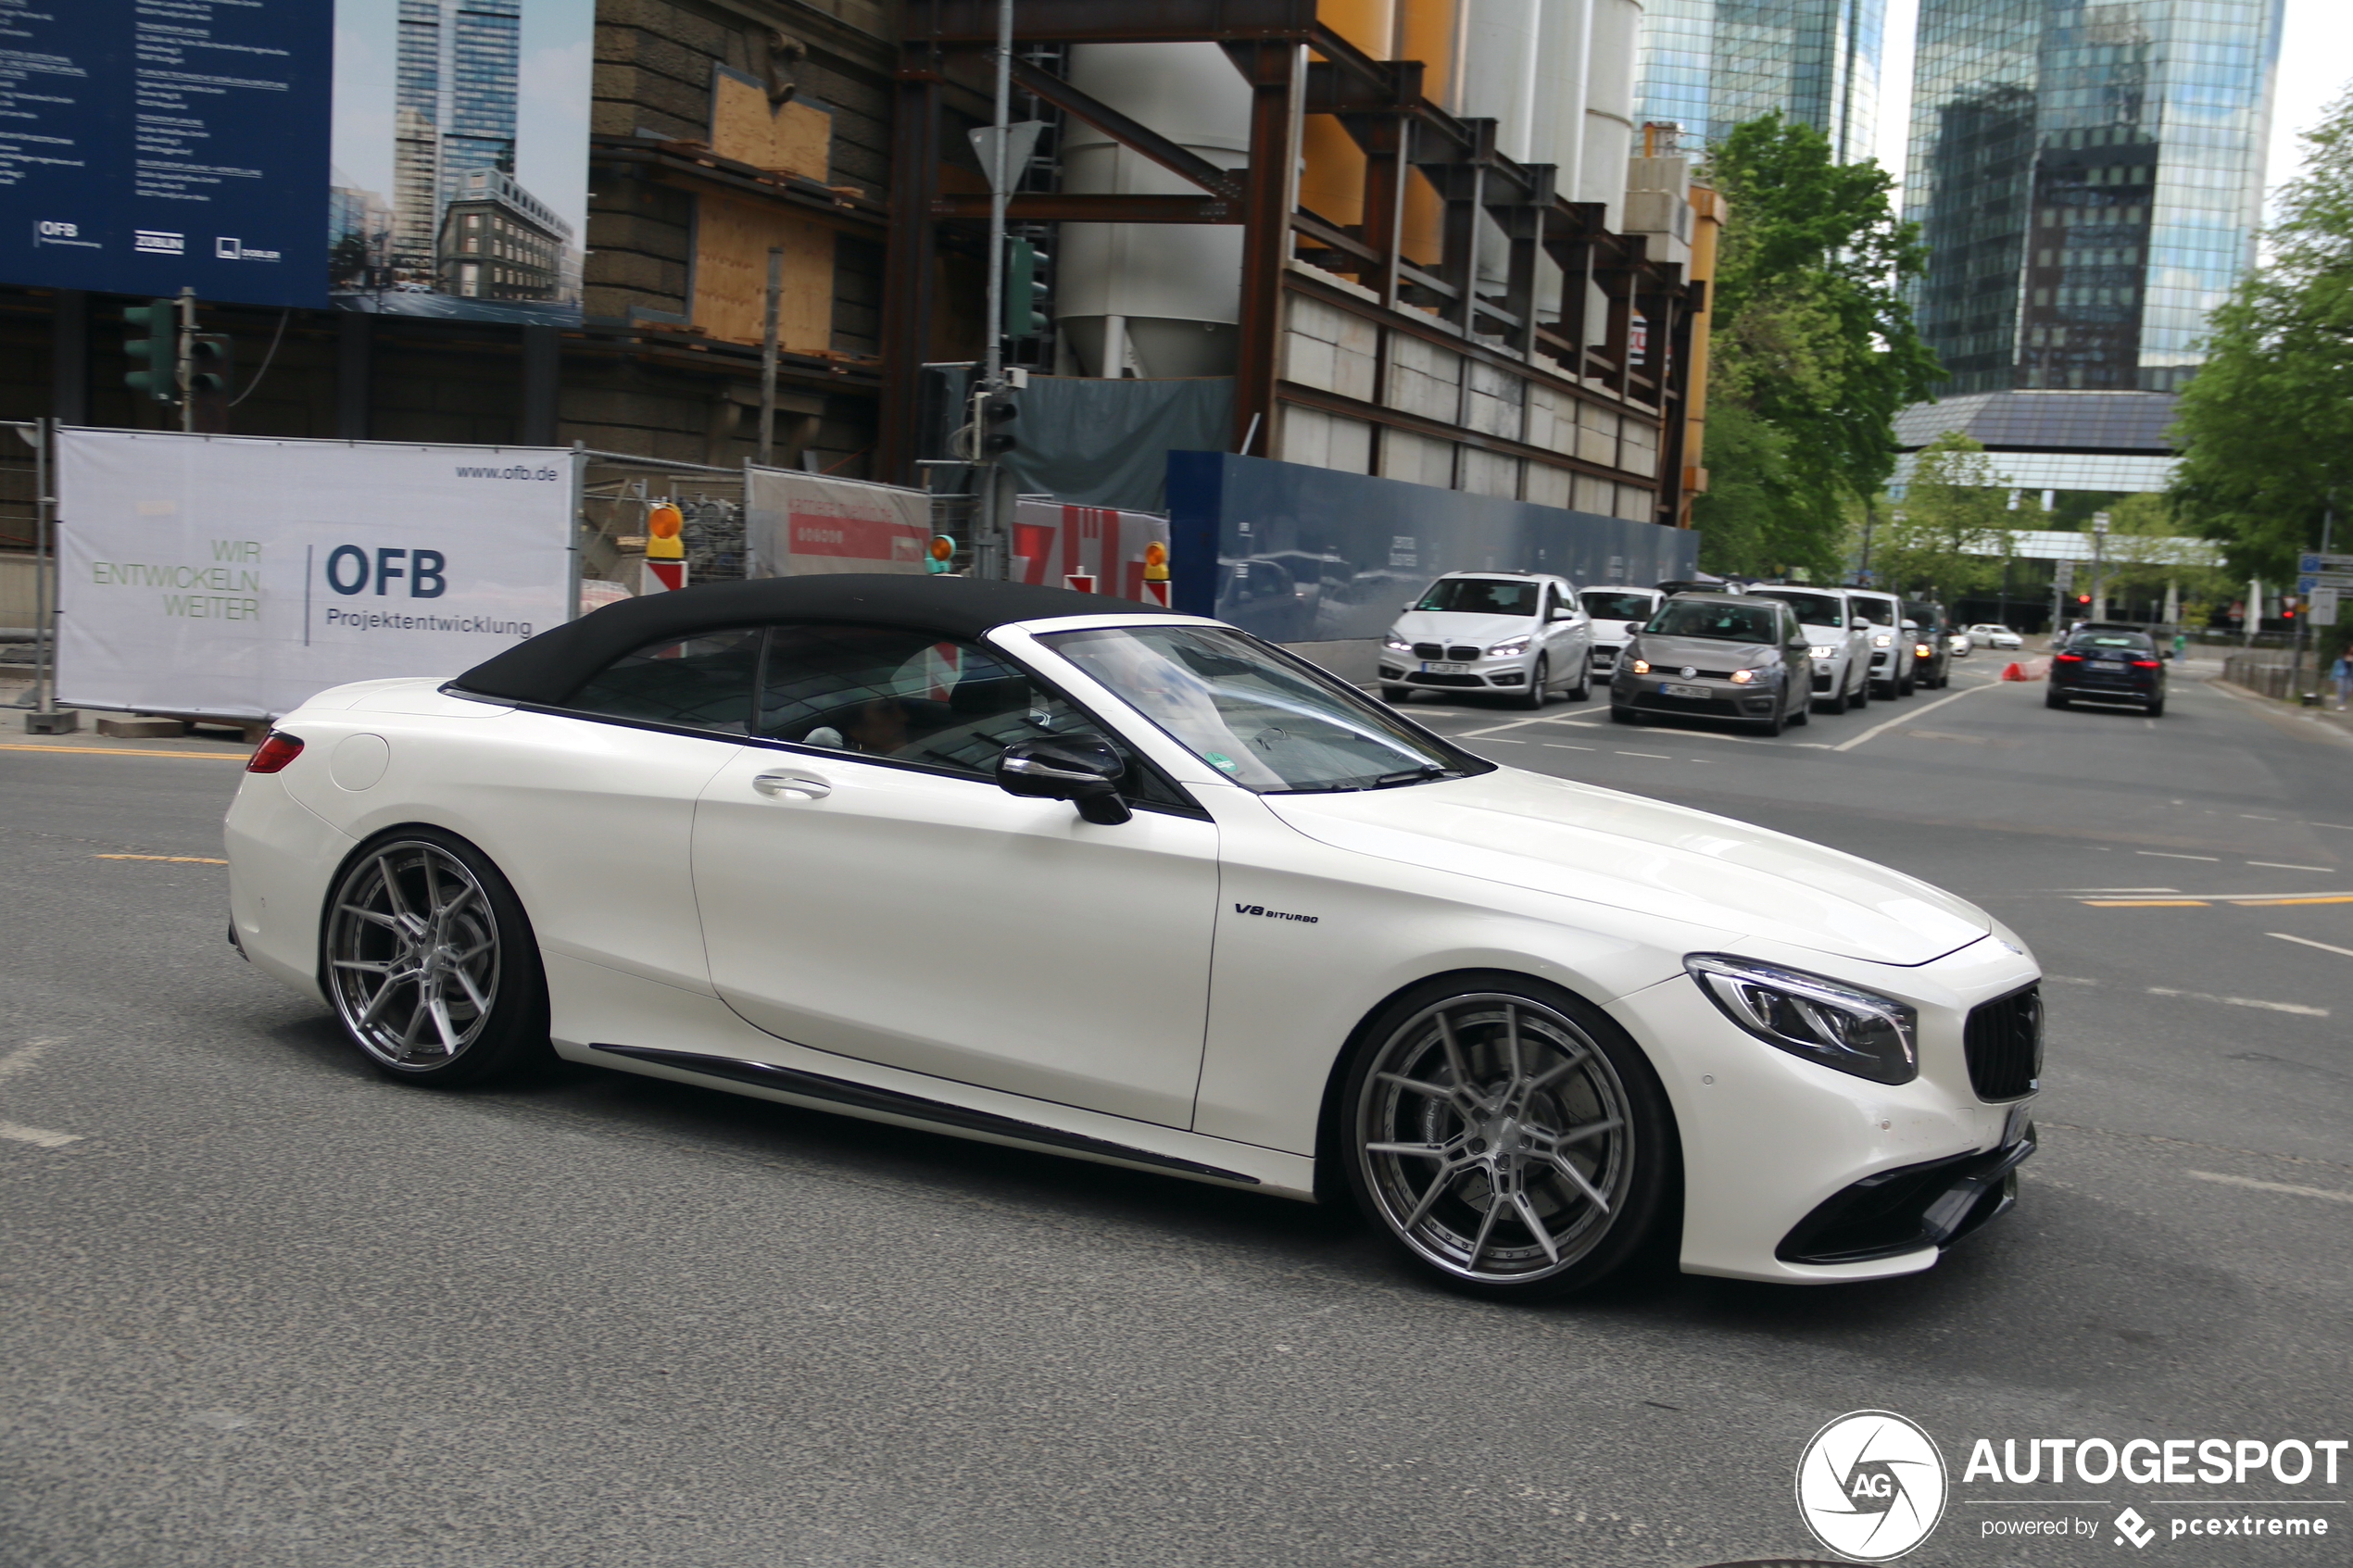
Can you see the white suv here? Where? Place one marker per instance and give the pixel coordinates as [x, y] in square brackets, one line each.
[1841, 639]
[1891, 645]
[1618, 614]
[1512, 632]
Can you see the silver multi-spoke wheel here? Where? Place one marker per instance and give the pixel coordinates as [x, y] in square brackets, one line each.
[1494, 1137]
[413, 955]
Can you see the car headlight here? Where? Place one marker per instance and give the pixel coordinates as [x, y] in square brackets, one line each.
[1823, 652]
[1508, 647]
[1883, 640]
[1807, 1015]
[1924, 650]
[1396, 644]
[1742, 677]
[1641, 667]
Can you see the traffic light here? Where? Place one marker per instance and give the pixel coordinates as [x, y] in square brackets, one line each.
[941, 554]
[1025, 291]
[154, 349]
[2082, 599]
[992, 411]
[208, 364]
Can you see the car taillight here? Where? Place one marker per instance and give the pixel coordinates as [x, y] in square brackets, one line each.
[2146, 664]
[1924, 650]
[2069, 658]
[274, 753]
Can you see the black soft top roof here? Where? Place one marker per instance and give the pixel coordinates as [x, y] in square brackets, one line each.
[550, 667]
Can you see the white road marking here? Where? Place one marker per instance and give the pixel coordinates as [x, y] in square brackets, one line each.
[2330, 1193]
[2310, 943]
[2339, 826]
[1503, 740]
[1905, 719]
[1564, 746]
[2284, 866]
[21, 1060]
[2069, 980]
[2240, 1002]
[2169, 855]
[2251, 817]
[2072, 891]
[39, 1136]
[1654, 756]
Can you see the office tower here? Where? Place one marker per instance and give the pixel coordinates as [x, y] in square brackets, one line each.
[2088, 179]
[1708, 65]
[455, 97]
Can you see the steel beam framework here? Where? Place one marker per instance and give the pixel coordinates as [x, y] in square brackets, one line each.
[1295, 66]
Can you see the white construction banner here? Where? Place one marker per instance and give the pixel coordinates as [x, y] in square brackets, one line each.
[217, 575]
[801, 525]
[1093, 549]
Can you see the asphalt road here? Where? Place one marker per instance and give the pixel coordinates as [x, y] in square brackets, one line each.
[268, 1309]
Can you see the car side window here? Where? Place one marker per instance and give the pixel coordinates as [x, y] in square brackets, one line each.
[908, 696]
[702, 683]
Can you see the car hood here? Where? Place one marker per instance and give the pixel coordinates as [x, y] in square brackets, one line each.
[1624, 851]
[1457, 626]
[1701, 653]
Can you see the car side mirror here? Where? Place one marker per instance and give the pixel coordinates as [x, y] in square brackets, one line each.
[1562, 612]
[1080, 769]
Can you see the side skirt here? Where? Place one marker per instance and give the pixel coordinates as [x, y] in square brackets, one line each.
[938, 1113]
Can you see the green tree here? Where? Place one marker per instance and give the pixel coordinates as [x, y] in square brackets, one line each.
[1812, 350]
[2266, 427]
[1954, 528]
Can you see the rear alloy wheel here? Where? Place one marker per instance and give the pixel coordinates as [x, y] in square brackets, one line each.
[1536, 680]
[1508, 1137]
[430, 962]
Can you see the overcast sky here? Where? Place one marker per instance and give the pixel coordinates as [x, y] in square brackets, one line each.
[2316, 65]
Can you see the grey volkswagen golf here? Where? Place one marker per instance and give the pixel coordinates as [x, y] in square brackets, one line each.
[1718, 656]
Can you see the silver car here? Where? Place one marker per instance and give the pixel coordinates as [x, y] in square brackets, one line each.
[1718, 656]
[1516, 633]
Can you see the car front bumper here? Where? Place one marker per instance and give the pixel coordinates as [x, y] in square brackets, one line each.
[1508, 673]
[1646, 694]
[1796, 1173]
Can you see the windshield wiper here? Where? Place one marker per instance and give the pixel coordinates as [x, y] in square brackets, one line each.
[1426, 772]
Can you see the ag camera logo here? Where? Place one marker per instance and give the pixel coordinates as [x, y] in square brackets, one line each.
[1871, 1485]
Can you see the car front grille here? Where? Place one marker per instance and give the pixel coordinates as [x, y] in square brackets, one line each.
[1428, 651]
[1461, 655]
[2003, 1042]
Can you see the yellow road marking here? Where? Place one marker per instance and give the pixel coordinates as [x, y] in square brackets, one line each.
[175, 859]
[2145, 903]
[2274, 903]
[128, 751]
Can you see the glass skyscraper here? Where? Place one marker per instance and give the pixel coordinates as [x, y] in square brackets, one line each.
[2088, 179]
[456, 81]
[1706, 65]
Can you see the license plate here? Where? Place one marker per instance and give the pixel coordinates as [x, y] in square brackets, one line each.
[1686, 691]
[1430, 669]
[2105, 665]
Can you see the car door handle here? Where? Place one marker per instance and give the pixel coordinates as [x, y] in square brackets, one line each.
[808, 785]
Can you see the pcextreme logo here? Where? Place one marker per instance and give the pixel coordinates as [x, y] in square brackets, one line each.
[1871, 1485]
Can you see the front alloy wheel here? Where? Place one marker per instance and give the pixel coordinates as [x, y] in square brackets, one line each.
[430, 962]
[1497, 1139]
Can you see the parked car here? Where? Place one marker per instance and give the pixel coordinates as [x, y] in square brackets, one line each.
[1891, 656]
[1986, 634]
[1518, 632]
[1616, 615]
[1088, 877]
[1719, 656]
[1932, 644]
[1840, 645]
[2108, 665]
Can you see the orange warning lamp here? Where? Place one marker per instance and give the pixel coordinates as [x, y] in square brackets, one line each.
[941, 554]
[664, 523]
[1156, 562]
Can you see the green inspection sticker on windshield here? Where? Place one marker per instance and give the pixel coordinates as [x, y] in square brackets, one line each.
[1219, 759]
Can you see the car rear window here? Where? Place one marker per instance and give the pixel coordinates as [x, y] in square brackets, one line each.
[1603, 605]
[2131, 642]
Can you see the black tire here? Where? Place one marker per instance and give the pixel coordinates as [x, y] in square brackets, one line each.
[431, 914]
[1621, 714]
[1622, 1139]
[1802, 714]
[1904, 686]
[2052, 699]
[1860, 696]
[2156, 708]
[1396, 695]
[1536, 680]
[1584, 688]
[1771, 726]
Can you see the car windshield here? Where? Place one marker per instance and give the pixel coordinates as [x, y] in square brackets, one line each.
[1714, 621]
[1603, 605]
[2127, 641]
[1814, 610]
[1272, 724]
[1879, 612]
[1483, 595]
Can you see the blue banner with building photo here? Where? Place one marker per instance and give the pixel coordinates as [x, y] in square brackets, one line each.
[145, 148]
[459, 182]
[1308, 555]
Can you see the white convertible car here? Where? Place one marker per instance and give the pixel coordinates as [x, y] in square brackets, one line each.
[1015, 864]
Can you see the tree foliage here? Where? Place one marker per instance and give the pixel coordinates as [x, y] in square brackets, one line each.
[1955, 528]
[2266, 427]
[1812, 348]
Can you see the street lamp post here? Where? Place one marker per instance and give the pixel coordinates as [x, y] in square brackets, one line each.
[2099, 566]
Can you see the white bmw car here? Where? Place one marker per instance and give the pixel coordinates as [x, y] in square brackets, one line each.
[1136, 888]
[1519, 634]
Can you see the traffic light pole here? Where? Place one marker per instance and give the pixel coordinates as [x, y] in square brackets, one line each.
[987, 552]
[186, 377]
